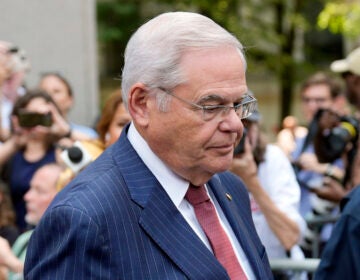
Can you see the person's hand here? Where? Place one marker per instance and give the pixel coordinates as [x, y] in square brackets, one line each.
[244, 165]
[328, 119]
[331, 190]
[309, 161]
[8, 258]
[355, 174]
[5, 251]
[19, 136]
[59, 126]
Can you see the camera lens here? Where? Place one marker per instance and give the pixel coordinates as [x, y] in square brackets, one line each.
[75, 154]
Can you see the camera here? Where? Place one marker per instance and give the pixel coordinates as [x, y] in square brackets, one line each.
[240, 148]
[76, 157]
[330, 142]
[32, 119]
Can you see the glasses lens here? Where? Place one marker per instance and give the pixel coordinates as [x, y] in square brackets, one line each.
[247, 109]
[210, 113]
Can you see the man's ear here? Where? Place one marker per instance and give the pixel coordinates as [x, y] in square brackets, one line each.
[138, 104]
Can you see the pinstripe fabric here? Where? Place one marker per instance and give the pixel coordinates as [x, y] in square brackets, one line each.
[114, 221]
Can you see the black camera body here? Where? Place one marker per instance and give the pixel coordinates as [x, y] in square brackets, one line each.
[331, 143]
[32, 119]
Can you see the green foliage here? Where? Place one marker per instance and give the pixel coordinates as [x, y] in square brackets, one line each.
[267, 29]
[341, 18]
[117, 19]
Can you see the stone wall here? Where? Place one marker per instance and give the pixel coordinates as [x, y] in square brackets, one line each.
[60, 36]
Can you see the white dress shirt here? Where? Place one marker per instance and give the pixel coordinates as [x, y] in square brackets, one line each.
[176, 187]
[278, 179]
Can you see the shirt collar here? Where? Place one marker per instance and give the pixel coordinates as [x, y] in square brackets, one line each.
[175, 186]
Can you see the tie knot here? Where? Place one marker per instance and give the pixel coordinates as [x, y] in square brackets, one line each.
[196, 195]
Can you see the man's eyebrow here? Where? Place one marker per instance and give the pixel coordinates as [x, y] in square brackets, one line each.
[212, 97]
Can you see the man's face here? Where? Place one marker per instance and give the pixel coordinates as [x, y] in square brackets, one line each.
[194, 148]
[313, 98]
[352, 82]
[41, 193]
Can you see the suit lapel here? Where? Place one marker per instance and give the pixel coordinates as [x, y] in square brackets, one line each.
[165, 224]
[237, 223]
[162, 221]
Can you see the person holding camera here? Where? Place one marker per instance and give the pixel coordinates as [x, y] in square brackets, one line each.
[274, 194]
[341, 254]
[321, 99]
[37, 125]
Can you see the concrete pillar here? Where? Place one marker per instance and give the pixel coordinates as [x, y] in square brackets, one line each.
[59, 36]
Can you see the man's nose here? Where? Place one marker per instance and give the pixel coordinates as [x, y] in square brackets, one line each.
[231, 122]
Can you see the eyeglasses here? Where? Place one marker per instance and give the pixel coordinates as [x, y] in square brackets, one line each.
[243, 109]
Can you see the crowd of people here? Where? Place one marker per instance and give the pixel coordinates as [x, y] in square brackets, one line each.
[35, 134]
[177, 180]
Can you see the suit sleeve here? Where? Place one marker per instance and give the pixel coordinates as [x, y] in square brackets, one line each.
[67, 244]
[342, 255]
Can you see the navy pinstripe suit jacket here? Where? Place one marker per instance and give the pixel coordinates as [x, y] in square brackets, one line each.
[115, 221]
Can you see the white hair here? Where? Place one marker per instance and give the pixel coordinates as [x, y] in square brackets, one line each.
[154, 51]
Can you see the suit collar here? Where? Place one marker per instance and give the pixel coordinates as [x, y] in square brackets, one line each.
[161, 219]
[174, 185]
[166, 226]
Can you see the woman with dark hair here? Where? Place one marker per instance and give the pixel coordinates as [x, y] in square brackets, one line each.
[37, 120]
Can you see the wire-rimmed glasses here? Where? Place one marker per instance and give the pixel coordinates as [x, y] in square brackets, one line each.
[243, 109]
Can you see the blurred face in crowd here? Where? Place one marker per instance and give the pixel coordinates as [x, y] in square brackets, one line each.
[196, 148]
[119, 120]
[41, 193]
[5, 62]
[313, 98]
[58, 91]
[352, 88]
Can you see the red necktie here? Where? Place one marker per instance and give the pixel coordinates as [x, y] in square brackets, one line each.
[219, 241]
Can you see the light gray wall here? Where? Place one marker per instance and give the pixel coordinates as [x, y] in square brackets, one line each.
[58, 35]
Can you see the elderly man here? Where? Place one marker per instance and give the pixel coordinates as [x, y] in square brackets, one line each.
[43, 188]
[158, 203]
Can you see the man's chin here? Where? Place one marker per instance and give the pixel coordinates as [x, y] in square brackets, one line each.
[222, 165]
[31, 221]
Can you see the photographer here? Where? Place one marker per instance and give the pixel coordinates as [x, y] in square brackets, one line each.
[318, 93]
[341, 255]
[37, 125]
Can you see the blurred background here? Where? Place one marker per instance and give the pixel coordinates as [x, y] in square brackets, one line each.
[84, 40]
